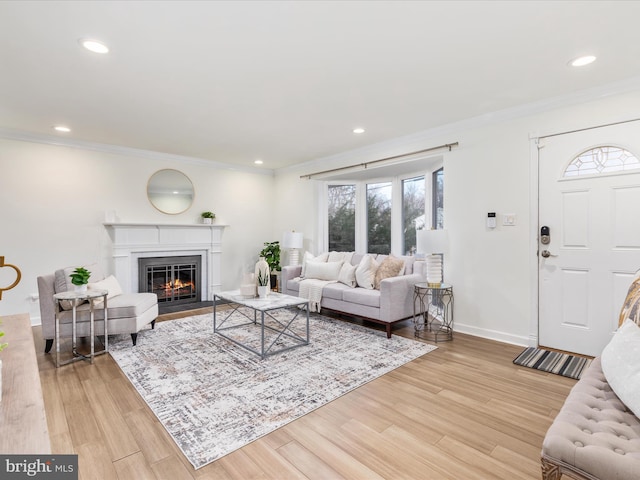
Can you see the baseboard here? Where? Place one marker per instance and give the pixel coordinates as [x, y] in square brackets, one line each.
[493, 335]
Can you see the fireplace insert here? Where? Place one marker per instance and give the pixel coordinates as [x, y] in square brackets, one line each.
[175, 279]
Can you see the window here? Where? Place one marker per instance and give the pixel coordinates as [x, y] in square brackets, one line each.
[601, 160]
[380, 214]
[437, 200]
[379, 218]
[341, 206]
[413, 202]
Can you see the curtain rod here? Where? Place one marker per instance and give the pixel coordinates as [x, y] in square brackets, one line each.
[366, 164]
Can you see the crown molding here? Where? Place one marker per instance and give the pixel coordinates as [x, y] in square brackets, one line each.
[23, 136]
[419, 139]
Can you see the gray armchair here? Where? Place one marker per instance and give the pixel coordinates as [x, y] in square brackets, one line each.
[126, 312]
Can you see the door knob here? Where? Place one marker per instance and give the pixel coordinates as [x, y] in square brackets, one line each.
[547, 254]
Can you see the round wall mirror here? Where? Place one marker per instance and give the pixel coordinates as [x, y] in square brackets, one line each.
[170, 191]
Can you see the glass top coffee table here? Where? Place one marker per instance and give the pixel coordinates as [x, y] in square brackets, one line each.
[264, 326]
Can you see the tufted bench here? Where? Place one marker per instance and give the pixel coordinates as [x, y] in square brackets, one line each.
[594, 435]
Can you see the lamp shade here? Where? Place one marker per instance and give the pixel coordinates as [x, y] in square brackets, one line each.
[292, 240]
[432, 241]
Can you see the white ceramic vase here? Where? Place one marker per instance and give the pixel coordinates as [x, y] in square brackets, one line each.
[80, 288]
[262, 270]
[263, 291]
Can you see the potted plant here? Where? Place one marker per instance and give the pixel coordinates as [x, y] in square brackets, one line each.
[80, 278]
[271, 253]
[207, 217]
[263, 284]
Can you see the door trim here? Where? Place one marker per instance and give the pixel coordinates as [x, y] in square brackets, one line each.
[534, 221]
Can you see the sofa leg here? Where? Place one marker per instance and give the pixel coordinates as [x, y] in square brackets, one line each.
[550, 471]
[134, 338]
[48, 345]
[388, 330]
[153, 325]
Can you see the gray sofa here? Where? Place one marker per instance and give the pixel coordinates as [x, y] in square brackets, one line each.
[392, 303]
[126, 312]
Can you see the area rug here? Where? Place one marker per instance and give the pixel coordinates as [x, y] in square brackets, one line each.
[563, 364]
[214, 397]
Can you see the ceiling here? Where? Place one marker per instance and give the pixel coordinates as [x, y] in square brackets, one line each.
[287, 82]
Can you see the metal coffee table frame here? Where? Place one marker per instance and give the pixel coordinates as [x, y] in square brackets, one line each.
[275, 301]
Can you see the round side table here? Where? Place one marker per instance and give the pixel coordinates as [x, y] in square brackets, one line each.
[433, 311]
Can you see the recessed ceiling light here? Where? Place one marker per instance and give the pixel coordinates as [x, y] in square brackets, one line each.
[62, 128]
[358, 130]
[258, 162]
[582, 61]
[94, 45]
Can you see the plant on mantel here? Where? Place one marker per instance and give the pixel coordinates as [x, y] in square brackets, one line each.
[210, 215]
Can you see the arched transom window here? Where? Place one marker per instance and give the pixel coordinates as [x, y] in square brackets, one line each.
[599, 160]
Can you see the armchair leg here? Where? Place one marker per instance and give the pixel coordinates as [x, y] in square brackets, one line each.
[153, 325]
[48, 345]
[134, 338]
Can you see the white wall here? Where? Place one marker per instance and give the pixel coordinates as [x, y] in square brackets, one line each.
[493, 272]
[53, 201]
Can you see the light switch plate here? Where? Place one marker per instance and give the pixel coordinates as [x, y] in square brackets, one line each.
[509, 219]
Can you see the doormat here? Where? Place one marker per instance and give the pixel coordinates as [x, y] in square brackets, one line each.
[563, 364]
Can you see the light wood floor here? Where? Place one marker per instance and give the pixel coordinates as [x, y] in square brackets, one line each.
[463, 411]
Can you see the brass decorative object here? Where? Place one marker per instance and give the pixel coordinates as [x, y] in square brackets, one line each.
[18, 275]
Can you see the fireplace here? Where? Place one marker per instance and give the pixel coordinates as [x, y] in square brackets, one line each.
[175, 279]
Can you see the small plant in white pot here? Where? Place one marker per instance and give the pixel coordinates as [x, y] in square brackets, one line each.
[80, 278]
[263, 284]
[207, 217]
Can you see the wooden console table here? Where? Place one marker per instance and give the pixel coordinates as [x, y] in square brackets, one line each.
[23, 422]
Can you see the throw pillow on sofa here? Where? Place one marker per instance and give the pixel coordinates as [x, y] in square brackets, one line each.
[323, 270]
[366, 272]
[390, 267]
[621, 365]
[308, 257]
[110, 284]
[348, 275]
[631, 305]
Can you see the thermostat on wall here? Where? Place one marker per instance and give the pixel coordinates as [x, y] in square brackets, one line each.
[491, 220]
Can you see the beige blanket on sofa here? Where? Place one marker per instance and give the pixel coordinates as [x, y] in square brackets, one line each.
[311, 289]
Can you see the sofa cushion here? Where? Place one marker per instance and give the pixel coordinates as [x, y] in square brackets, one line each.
[334, 291]
[390, 267]
[362, 296]
[621, 365]
[348, 274]
[366, 272]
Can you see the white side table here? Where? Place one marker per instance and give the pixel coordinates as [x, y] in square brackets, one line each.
[76, 298]
[433, 311]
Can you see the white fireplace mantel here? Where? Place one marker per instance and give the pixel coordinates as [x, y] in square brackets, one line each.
[132, 241]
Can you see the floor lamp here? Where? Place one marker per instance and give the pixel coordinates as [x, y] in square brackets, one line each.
[434, 244]
[292, 241]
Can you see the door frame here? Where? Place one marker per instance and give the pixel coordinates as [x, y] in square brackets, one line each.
[534, 221]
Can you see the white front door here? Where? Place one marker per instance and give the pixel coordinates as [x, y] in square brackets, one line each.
[594, 231]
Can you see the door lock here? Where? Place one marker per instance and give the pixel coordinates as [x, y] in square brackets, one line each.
[545, 236]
